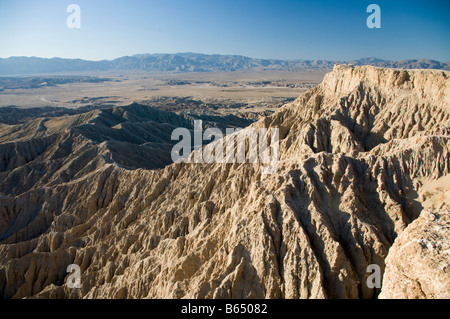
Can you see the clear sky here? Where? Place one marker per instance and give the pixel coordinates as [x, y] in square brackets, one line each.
[284, 29]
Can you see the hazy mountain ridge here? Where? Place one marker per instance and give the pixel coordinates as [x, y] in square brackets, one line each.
[192, 62]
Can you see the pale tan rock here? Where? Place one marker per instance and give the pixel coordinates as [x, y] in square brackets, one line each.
[418, 264]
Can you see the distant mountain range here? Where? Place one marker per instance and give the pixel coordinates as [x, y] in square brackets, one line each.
[192, 62]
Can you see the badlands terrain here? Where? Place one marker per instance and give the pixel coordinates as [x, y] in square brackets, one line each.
[363, 179]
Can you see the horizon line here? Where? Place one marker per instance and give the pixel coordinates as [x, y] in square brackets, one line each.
[220, 54]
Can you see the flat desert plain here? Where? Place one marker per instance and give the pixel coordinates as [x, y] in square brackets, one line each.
[209, 92]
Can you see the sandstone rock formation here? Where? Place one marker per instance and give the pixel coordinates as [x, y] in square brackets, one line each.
[355, 154]
[418, 264]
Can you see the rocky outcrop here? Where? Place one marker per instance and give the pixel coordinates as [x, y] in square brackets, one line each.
[355, 155]
[418, 264]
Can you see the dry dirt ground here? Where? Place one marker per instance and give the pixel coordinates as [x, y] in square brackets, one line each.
[258, 91]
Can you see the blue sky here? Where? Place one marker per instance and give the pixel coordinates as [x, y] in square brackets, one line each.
[284, 29]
